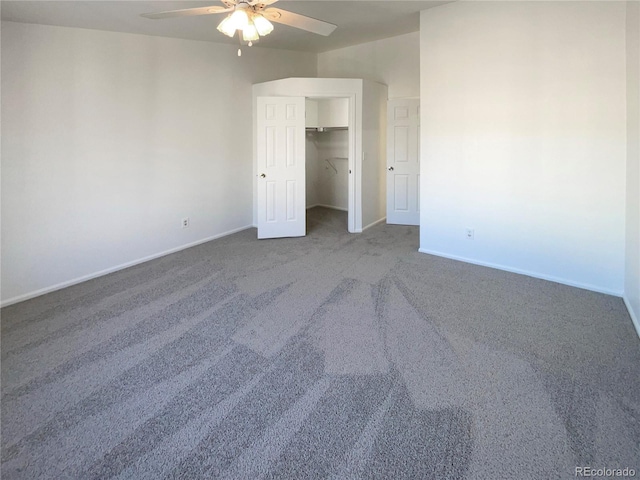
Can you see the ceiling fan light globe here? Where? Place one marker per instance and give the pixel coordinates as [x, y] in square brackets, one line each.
[239, 19]
[227, 27]
[263, 26]
[250, 34]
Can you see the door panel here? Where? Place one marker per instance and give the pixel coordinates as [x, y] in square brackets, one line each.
[401, 187]
[401, 143]
[403, 162]
[281, 167]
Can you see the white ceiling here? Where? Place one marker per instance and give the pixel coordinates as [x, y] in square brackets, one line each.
[358, 21]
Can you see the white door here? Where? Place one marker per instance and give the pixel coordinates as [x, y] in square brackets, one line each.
[281, 167]
[403, 161]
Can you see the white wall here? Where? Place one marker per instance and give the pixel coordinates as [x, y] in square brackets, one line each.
[523, 137]
[632, 260]
[393, 61]
[110, 139]
[333, 187]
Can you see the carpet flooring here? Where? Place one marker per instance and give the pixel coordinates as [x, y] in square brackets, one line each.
[328, 356]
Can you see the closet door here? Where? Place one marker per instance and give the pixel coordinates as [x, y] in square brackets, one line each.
[403, 161]
[281, 167]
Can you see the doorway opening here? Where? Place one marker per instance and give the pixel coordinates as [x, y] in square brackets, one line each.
[327, 150]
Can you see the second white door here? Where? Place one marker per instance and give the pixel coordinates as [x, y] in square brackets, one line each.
[403, 161]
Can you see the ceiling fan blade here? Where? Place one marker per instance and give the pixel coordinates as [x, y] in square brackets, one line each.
[260, 4]
[299, 21]
[187, 12]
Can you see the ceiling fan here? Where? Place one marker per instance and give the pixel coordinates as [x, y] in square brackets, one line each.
[251, 18]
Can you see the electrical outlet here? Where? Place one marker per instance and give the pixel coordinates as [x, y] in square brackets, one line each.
[470, 233]
[185, 222]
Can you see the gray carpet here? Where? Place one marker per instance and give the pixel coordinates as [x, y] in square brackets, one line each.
[328, 356]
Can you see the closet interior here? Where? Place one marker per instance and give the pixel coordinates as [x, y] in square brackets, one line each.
[327, 153]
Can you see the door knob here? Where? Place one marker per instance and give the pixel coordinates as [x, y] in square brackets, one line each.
[262, 175]
[390, 169]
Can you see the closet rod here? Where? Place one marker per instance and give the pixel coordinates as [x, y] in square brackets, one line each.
[338, 158]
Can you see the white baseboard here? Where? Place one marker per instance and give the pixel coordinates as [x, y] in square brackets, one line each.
[106, 271]
[383, 219]
[632, 314]
[550, 278]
